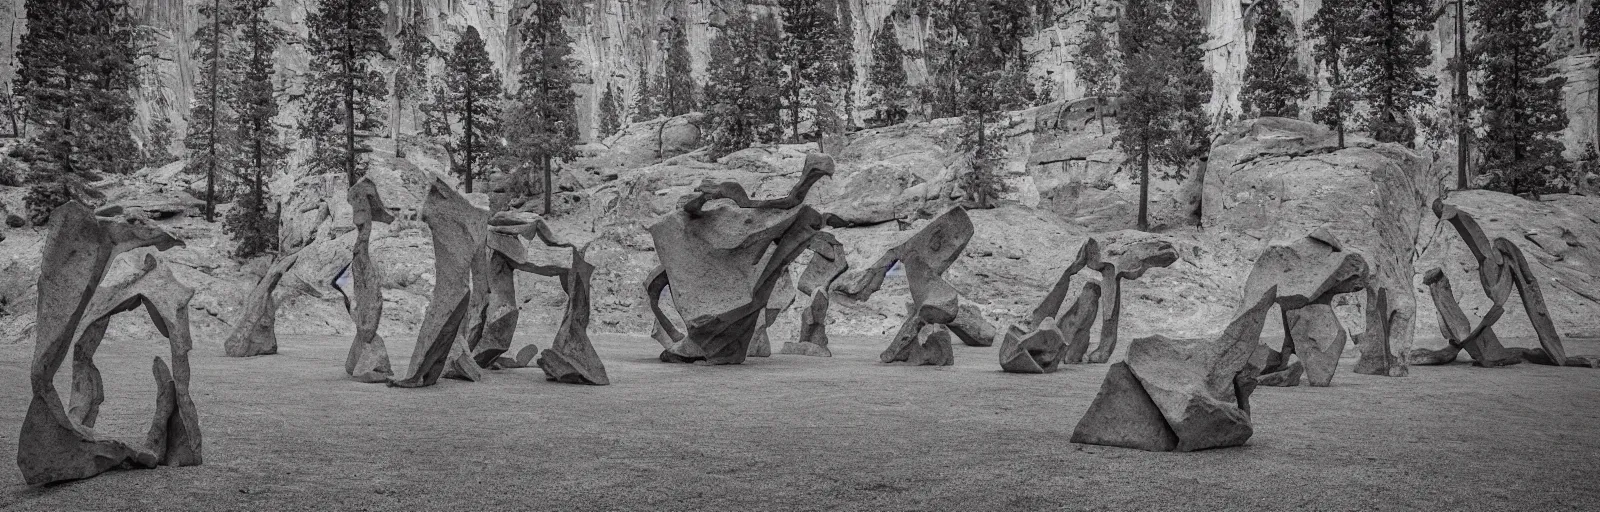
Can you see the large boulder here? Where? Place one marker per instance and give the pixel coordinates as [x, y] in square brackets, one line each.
[1274, 178]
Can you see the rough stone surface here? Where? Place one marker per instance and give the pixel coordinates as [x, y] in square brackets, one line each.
[368, 360]
[1076, 322]
[52, 446]
[924, 257]
[1377, 353]
[1123, 261]
[255, 332]
[707, 257]
[1317, 338]
[1501, 267]
[813, 339]
[1308, 273]
[507, 254]
[928, 345]
[1038, 351]
[1484, 347]
[781, 298]
[571, 357]
[1123, 414]
[459, 233]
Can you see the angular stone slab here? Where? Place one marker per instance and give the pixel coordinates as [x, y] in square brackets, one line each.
[1288, 377]
[368, 359]
[813, 329]
[459, 235]
[970, 327]
[52, 447]
[1501, 267]
[1318, 340]
[1077, 321]
[1485, 348]
[779, 301]
[933, 349]
[255, 332]
[1123, 415]
[1050, 306]
[1039, 351]
[1126, 261]
[571, 357]
[1377, 357]
[1532, 299]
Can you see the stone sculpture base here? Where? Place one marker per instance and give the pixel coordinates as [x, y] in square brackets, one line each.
[933, 349]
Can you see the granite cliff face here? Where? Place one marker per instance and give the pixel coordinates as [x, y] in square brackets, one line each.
[616, 39]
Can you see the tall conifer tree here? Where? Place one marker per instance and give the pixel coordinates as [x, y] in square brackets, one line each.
[1273, 81]
[260, 152]
[677, 93]
[887, 76]
[1334, 28]
[1164, 87]
[1389, 51]
[1521, 107]
[610, 112]
[472, 97]
[345, 92]
[744, 102]
[411, 77]
[1099, 63]
[210, 124]
[542, 124]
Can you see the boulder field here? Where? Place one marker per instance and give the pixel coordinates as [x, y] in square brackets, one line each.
[1267, 180]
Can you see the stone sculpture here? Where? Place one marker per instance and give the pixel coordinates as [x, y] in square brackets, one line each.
[1182, 395]
[706, 257]
[925, 257]
[507, 255]
[571, 357]
[1501, 267]
[1053, 342]
[828, 262]
[1130, 262]
[368, 360]
[55, 444]
[255, 333]
[459, 234]
[1480, 343]
[1308, 274]
[780, 300]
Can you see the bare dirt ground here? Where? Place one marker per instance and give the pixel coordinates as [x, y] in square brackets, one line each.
[289, 432]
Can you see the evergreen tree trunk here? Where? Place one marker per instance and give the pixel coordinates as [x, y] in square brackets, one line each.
[1144, 185]
[1461, 95]
[545, 164]
[1339, 126]
[1100, 112]
[395, 131]
[211, 166]
[468, 137]
[349, 104]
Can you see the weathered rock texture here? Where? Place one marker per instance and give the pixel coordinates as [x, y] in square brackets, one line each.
[56, 445]
[827, 263]
[571, 357]
[368, 360]
[1198, 390]
[459, 234]
[1053, 342]
[507, 255]
[1123, 261]
[255, 332]
[1481, 343]
[709, 257]
[1308, 273]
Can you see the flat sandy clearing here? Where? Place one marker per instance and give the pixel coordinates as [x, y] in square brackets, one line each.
[289, 432]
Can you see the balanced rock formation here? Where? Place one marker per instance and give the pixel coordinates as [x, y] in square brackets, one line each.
[368, 360]
[1481, 343]
[1501, 267]
[928, 346]
[1182, 395]
[1308, 273]
[1043, 349]
[781, 298]
[828, 262]
[55, 444]
[571, 357]
[925, 257]
[706, 257]
[459, 234]
[507, 254]
[255, 333]
[1123, 261]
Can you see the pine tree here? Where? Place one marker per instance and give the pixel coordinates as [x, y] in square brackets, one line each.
[1521, 105]
[678, 94]
[411, 77]
[1590, 40]
[76, 69]
[345, 92]
[1335, 27]
[817, 59]
[1273, 81]
[1099, 64]
[211, 125]
[1164, 87]
[744, 104]
[887, 76]
[1389, 52]
[644, 99]
[260, 152]
[610, 112]
[472, 94]
[542, 123]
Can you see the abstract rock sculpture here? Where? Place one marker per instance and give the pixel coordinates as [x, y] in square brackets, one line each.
[928, 346]
[1182, 395]
[925, 256]
[255, 333]
[459, 234]
[1377, 357]
[828, 262]
[1119, 263]
[368, 360]
[571, 357]
[1308, 273]
[507, 255]
[55, 445]
[1480, 343]
[706, 257]
[1054, 342]
[1501, 266]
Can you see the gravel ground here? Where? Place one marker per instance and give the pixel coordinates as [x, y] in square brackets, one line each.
[289, 432]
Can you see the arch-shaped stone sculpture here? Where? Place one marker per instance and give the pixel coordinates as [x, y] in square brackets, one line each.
[828, 262]
[507, 255]
[1123, 261]
[368, 360]
[571, 357]
[1182, 395]
[710, 258]
[460, 231]
[778, 301]
[1308, 273]
[1481, 343]
[1053, 341]
[925, 257]
[1501, 267]
[255, 333]
[55, 444]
